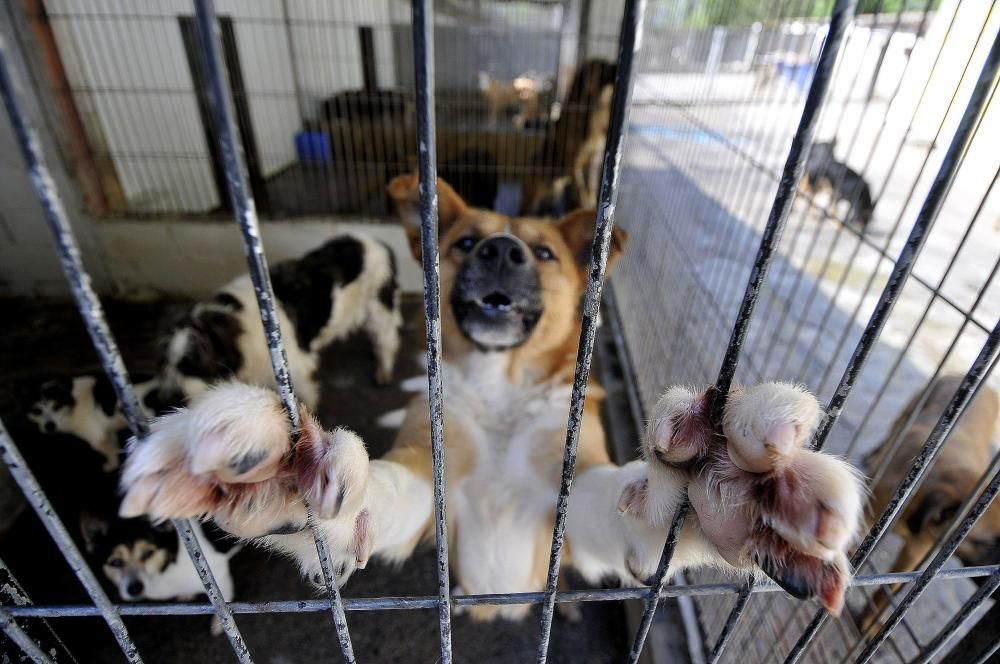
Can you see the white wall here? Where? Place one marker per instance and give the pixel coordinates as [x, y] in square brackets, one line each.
[127, 65]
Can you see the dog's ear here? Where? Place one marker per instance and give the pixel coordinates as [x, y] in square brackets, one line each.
[405, 193]
[577, 229]
[92, 528]
[934, 510]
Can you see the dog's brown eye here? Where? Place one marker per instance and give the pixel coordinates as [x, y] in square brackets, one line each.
[116, 562]
[146, 555]
[466, 243]
[543, 253]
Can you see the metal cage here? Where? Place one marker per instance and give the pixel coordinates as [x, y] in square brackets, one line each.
[691, 228]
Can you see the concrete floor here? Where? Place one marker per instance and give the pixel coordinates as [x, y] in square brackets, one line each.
[48, 340]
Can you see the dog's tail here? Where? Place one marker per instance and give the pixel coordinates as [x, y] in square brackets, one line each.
[864, 208]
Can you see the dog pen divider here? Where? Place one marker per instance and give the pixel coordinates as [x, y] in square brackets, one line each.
[423, 62]
[242, 202]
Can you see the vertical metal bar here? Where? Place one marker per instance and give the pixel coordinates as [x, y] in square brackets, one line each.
[93, 315]
[90, 309]
[246, 214]
[653, 597]
[791, 174]
[843, 10]
[920, 585]
[46, 513]
[423, 63]
[966, 391]
[630, 41]
[23, 641]
[971, 606]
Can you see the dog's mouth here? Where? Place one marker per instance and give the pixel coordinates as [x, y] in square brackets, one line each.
[498, 320]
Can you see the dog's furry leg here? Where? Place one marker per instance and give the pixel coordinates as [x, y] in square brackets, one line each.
[382, 325]
[229, 457]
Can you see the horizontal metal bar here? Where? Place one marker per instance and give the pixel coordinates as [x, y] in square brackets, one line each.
[423, 63]
[982, 594]
[629, 44]
[430, 602]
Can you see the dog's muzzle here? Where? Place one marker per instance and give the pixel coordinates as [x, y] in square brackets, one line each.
[497, 297]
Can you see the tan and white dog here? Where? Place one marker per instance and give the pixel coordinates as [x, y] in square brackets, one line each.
[511, 291]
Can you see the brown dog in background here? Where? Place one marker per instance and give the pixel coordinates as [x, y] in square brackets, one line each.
[959, 466]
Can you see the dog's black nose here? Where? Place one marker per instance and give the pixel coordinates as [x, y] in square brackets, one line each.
[502, 251]
[50, 427]
[134, 588]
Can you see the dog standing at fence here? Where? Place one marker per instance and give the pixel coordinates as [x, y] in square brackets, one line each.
[962, 461]
[346, 285]
[510, 324]
[824, 172]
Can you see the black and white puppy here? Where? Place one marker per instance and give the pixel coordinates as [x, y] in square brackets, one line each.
[144, 561]
[87, 407]
[346, 285]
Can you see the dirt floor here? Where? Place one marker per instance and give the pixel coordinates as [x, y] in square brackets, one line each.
[46, 341]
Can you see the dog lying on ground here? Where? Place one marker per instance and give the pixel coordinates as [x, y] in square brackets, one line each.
[954, 476]
[346, 285]
[510, 321]
[147, 562]
[824, 172]
[87, 407]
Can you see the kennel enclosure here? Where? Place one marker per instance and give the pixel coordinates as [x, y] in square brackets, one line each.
[771, 276]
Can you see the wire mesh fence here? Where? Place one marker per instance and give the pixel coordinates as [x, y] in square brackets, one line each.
[810, 199]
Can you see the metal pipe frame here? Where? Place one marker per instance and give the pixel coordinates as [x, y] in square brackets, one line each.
[246, 215]
[630, 42]
[94, 320]
[496, 599]
[423, 59]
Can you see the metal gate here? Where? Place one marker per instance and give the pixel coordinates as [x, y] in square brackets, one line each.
[634, 195]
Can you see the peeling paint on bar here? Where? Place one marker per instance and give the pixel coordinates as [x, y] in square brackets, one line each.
[246, 215]
[925, 218]
[423, 59]
[43, 508]
[628, 47]
[90, 309]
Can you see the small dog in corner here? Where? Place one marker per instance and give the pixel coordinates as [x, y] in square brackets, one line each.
[146, 561]
[825, 172]
[347, 284]
[963, 459]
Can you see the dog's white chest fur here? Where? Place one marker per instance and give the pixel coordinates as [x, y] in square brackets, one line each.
[502, 507]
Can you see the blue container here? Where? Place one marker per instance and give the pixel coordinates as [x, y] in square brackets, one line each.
[313, 147]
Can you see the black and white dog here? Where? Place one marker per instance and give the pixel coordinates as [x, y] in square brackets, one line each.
[145, 562]
[824, 171]
[346, 285]
[87, 407]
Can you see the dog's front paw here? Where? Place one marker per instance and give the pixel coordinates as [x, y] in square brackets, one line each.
[230, 456]
[759, 495]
